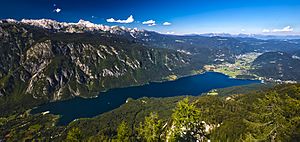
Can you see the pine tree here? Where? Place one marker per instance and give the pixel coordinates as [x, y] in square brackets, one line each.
[187, 123]
[151, 129]
[74, 135]
[123, 132]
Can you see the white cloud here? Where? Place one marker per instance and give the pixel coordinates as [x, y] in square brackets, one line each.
[167, 23]
[283, 30]
[265, 30]
[243, 30]
[110, 20]
[57, 10]
[170, 33]
[149, 23]
[130, 19]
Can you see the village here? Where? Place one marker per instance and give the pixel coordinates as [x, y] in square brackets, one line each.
[241, 69]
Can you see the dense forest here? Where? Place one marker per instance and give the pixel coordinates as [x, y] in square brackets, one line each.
[262, 115]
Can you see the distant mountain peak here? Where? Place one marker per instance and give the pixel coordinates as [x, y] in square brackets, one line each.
[45, 23]
[79, 27]
[91, 25]
[249, 35]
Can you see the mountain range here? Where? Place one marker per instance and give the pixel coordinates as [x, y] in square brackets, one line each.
[45, 60]
[257, 36]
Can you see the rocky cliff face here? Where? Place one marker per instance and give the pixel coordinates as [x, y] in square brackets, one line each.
[51, 66]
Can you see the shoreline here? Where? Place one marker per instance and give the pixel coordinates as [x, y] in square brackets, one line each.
[222, 76]
[162, 81]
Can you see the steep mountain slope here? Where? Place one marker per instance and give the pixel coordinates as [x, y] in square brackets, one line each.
[45, 65]
[217, 47]
[45, 60]
[198, 46]
[277, 65]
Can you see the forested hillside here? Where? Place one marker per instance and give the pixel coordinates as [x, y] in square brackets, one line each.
[277, 65]
[261, 115]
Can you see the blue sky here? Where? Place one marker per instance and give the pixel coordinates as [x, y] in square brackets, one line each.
[182, 16]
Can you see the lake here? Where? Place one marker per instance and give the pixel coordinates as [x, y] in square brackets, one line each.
[114, 98]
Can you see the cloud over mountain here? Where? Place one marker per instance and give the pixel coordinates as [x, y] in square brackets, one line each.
[57, 10]
[167, 23]
[149, 23]
[130, 19]
[283, 30]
